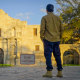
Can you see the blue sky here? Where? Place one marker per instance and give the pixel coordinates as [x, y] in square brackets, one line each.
[27, 10]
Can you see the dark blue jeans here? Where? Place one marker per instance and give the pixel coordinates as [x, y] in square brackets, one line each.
[50, 47]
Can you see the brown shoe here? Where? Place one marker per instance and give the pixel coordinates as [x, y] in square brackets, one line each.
[48, 74]
[59, 74]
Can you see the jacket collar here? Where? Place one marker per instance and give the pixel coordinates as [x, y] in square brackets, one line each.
[49, 12]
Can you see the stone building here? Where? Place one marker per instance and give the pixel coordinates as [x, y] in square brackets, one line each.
[16, 38]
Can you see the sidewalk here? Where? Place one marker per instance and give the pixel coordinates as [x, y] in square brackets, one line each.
[35, 73]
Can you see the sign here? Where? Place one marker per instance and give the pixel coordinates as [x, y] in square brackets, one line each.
[27, 59]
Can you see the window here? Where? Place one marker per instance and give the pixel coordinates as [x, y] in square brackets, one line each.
[37, 48]
[35, 31]
[14, 32]
[0, 32]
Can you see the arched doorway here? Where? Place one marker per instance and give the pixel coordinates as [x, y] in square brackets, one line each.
[71, 57]
[1, 56]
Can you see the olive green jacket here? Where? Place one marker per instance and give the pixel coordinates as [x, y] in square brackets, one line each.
[51, 28]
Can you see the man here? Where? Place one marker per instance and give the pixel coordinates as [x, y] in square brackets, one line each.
[51, 33]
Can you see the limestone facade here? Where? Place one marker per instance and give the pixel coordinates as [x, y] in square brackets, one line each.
[16, 38]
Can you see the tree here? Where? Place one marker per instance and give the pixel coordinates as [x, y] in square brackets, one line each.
[70, 15]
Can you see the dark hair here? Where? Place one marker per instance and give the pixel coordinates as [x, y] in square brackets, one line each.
[50, 8]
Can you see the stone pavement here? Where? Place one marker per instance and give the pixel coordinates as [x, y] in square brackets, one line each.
[35, 73]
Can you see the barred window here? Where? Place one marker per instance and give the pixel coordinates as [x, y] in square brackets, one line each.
[35, 31]
[37, 48]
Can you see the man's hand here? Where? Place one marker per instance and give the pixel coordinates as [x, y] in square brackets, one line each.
[42, 38]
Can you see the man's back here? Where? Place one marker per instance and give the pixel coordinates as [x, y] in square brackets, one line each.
[50, 33]
[52, 26]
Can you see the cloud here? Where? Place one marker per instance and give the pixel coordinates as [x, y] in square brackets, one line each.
[20, 15]
[27, 17]
[23, 16]
[43, 10]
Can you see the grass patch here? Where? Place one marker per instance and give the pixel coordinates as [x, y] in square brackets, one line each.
[5, 65]
[71, 65]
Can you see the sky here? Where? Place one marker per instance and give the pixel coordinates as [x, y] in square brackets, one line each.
[27, 10]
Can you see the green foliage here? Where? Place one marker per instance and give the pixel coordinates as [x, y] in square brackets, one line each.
[67, 34]
[70, 15]
[5, 65]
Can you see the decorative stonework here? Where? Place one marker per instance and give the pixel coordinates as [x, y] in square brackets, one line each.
[19, 38]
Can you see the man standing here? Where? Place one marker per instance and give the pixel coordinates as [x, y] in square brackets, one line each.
[51, 33]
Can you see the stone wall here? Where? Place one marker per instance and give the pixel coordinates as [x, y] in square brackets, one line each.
[28, 37]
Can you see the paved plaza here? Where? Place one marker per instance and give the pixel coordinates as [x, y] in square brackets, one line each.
[35, 73]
